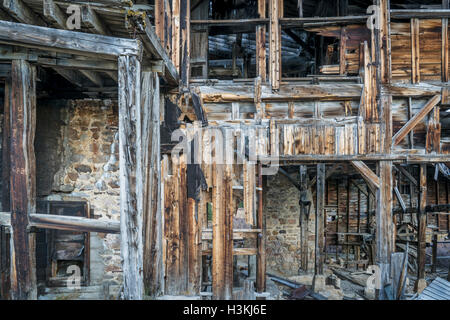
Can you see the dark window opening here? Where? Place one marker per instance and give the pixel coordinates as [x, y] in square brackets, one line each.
[60, 252]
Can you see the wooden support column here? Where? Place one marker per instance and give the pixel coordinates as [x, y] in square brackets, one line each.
[194, 249]
[228, 231]
[319, 278]
[422, 219]
[23, 178]
[159, 19]
[261, 242]
[320, 207]
[176, 34]
[275, 43]
[303, 219]
[415, 51]
[444, 51]
[5, 279]
[130, 148]
[385, 242]
[153, 264]
[218, 220]
[185, 30]
[261, 66]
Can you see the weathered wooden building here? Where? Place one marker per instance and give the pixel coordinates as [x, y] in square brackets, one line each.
[193, 147]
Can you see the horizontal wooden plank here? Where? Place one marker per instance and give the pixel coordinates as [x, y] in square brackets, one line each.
[236, 252]
[69, 223]
[67, 41]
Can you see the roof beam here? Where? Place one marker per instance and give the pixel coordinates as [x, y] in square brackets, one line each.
[22, 13]
[152, 44]
[54, 14]
[93, 22]
[67, 41]
[411, 124]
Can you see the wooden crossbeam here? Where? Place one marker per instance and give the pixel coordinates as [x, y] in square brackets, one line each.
[419, 116]
[68, 223]
[371, 178]
[406, 174]
[67, 41]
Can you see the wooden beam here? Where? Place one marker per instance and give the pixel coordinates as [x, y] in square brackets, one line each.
[261, 65]
[261, 239]
[320, 210]
[444, 50]
[22, 13]
[274, 44]
[93, 22]
[54, 14]
[371, 178]
[79, 64]
[176, 34]
[399, 198]
[185, 42]
[130, 137]
[420, 13]
[67, 41]
[159, 19]
[415, 51]
[421, 237]
[68, 223]
[384, 225]
[419, 116]
[218, 219]
[153, 45]
[23, 175]
[228, 231]
[153, 248]
[72, 76]
[406, 174]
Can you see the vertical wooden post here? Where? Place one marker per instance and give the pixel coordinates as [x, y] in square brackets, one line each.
[176, 34]
[185, 29]
[159, 20]
[275, 44]
[385, 241]
[320, 207]
[228, 228]
[384, 225]
[130, 139]
[153, 264]
[261, 257]
[23, 178]
[422, 218]
[415, 51]
[218, 251]
[342, 51]
[194, 250]
[304, 219]
[261, 67]
[6, 145]
[444, 55]
[319, 279]
[5, 278]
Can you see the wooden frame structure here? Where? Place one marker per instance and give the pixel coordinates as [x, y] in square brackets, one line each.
[322, 121]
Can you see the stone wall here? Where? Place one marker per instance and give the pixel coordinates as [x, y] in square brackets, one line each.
[282, 226]
[77, 159]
